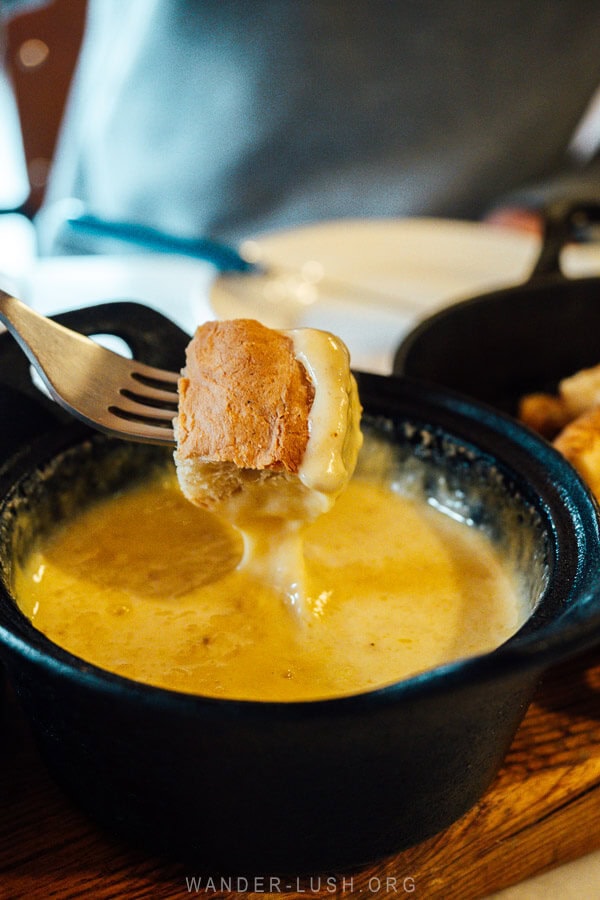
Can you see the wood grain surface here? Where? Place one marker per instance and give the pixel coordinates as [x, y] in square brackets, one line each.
[542, 810]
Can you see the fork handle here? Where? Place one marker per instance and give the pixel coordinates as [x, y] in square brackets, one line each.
[26, 326]
[46, 344]
[25, 412]
[152, 337]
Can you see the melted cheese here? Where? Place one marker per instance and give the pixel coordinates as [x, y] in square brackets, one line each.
[272, 513]
[150, 587]
[335, 437]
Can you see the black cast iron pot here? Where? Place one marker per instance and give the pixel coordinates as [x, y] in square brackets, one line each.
[501, 345]
[307, 786]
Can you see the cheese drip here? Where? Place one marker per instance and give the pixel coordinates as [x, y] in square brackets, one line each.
[335, 437]
[395, 590]
[272, 513]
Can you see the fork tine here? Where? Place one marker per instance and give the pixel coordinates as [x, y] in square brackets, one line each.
[141, 392]
[84, 377]
[138, 431]
[139, 410]
[142, 372]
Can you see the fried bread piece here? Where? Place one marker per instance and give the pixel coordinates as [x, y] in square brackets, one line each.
[581, 391]
[545, 413]
[579, 442]
[571, 420]
[244, 398]
[251, 399]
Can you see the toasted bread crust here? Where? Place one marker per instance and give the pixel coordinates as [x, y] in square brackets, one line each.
[243, 398]
[571, 419]
[581, 391]
[579, 442]
[545, 413]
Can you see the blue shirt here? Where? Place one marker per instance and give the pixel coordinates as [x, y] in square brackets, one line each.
[224, 118]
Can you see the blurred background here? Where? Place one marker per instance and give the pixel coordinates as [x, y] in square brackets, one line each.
[42, 47]
[422, 193]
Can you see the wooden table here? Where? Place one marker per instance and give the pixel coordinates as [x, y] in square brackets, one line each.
[542, 810]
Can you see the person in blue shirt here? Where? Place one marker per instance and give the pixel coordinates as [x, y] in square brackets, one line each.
[226, 118]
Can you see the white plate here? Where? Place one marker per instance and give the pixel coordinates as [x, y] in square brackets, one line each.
[369, 281]
[174, 285]
[378, 278]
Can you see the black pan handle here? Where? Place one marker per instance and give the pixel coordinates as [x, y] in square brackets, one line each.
[565, 221]
[26, 413]
[152, 337]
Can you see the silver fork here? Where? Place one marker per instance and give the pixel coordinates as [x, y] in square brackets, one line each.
[119, 396]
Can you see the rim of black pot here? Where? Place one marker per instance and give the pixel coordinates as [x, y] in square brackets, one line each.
[510, 446]
[564, 221]
[404, 356]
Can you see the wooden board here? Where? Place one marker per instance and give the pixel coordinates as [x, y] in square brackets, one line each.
[542, 810]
